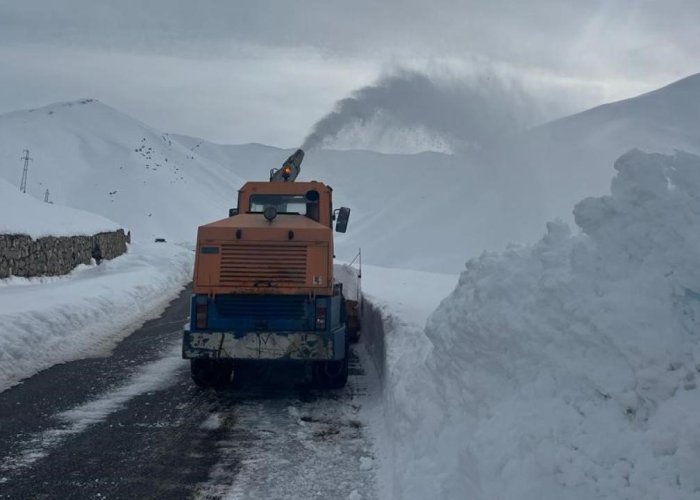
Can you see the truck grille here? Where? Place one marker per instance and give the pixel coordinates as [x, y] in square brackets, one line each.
[261, 306]
[263, 265]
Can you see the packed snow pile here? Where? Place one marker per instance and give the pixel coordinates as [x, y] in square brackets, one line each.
[567, 369]
[20, 213]
[52, 320]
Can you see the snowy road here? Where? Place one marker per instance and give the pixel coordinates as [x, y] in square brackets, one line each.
[132, 425]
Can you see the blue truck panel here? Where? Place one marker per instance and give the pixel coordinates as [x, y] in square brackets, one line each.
[266, 327]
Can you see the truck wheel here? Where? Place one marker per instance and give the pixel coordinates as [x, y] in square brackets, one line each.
[210, 373]
[353, 335]
[330, 374]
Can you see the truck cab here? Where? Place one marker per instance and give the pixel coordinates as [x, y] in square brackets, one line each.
[263, 287]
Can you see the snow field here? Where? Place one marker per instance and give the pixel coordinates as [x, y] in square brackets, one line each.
[156, 184]
[87, 311]
[403, 419]
[565, 369]
[94, 158]
[20, 213]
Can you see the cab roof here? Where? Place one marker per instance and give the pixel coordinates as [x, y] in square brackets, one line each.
[283, 187]
[285, 221]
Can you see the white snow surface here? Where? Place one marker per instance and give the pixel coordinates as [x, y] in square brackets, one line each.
[407, 411]
[21, 213]
[49, 321]
[564, 369]
[94, 158]
[426, 211]
[432, 211]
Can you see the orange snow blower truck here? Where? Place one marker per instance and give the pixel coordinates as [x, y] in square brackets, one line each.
[263, 283]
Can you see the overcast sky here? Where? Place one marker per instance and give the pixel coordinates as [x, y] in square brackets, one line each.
[239, 71]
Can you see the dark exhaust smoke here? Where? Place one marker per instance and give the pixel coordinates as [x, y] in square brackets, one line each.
[466, 113]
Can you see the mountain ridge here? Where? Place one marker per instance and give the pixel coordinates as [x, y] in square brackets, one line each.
[426, 211]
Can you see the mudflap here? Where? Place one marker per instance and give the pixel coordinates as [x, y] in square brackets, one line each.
[210, 372]
[352, 321]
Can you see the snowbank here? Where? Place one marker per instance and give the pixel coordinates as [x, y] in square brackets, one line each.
[48, 321]
[397, 304]
[566, 369]
[22, 214]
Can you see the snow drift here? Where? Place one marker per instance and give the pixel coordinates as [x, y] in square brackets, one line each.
[57, 319]
[569, 368]
[22, 214]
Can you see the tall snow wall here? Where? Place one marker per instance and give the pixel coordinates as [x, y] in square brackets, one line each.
[569, 368]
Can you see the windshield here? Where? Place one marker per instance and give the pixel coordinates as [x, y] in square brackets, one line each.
[283, 203]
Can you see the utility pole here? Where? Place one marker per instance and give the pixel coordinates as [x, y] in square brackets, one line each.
[46, 196]
[27, 159]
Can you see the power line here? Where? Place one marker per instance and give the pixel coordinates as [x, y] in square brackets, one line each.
[27, 159]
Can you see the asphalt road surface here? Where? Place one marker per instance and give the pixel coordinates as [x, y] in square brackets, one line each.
[133, 425]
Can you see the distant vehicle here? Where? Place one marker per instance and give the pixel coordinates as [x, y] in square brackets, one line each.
[263, 284]
[160, 240]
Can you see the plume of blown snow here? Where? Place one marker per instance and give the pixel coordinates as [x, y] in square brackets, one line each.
[456, 113]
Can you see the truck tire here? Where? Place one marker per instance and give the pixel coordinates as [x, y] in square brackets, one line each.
[330, 374]
[209, 372]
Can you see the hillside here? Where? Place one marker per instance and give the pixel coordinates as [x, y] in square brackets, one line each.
[570, 158]
[426, 211]
[23, 214]
[431, 211]
[94, 158]
[407, 210]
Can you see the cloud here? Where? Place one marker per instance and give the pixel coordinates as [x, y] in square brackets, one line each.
[610, 49]
[272, 98]
[596, 35]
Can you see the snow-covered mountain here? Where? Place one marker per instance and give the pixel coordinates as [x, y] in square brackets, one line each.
[24, 214]
[570, 158]
[424, 211]
[664, 119]
[563, 369]
[92, 157]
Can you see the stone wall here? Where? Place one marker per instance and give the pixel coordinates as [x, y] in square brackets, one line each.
[20, 255]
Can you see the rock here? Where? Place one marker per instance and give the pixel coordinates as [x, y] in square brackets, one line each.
[20, 255]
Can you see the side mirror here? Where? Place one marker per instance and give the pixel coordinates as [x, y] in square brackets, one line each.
[232, 212]
[342, 220]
